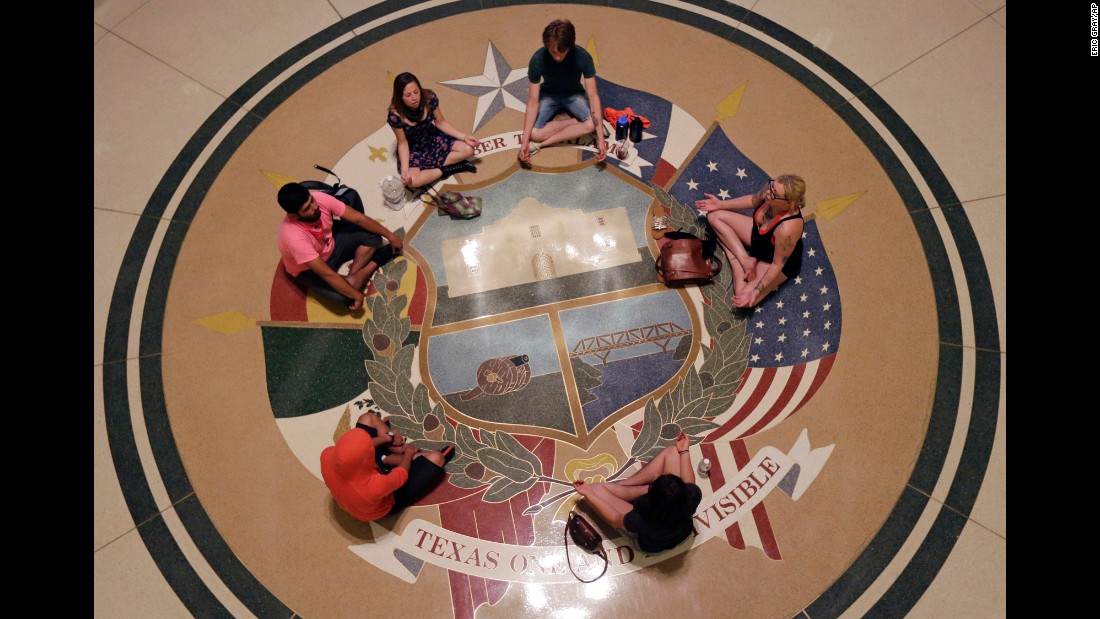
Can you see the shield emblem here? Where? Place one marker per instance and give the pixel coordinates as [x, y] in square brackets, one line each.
[546, 317]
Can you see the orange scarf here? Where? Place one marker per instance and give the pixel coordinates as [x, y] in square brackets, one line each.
[612, 115]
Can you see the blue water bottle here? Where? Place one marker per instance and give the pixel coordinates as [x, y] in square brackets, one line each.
[621, 127]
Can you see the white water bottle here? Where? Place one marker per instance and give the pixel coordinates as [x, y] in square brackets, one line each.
[704, 467]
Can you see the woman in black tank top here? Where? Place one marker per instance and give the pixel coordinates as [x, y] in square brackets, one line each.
[764, 247]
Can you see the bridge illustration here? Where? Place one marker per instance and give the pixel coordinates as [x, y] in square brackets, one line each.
[601, 346]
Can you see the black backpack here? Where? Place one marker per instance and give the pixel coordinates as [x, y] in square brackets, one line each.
[340, 191]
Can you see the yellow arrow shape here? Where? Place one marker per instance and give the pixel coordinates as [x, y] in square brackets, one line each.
[591, 49]
[832, 207]
[227, 323]
[343, 425]
[278, 180]
[727, 108]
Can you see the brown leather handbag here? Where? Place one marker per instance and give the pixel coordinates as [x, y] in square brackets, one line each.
[682, 261]
[586, 536]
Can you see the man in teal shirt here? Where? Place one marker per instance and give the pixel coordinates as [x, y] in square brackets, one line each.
[562, 77]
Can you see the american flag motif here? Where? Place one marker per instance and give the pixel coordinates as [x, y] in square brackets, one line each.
[795, 331]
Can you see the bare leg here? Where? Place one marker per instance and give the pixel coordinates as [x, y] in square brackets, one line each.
[363, 254]
[743, 284]
[561, 130]
[667, 461]
[459, 152]
[734, 232]
[611, 508]
[761, 269]
[419, 178]
[372, 420]
[626, 493]
[435, 456]
[362, 267]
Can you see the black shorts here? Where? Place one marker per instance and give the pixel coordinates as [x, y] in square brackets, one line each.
[345, 243]
[424, 475]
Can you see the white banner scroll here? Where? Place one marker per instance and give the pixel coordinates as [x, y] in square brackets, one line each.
[546, 564]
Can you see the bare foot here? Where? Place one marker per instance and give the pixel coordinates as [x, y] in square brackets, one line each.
[360, 278]
[582, 488]
[750, 267]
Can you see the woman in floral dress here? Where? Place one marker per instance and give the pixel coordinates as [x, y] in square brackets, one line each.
[428, 147]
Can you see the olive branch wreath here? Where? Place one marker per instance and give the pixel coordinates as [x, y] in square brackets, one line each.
[496, 458]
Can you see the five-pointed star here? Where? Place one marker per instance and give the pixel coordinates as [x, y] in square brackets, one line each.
[779, 304]
[725, 195]
[755, 358]
[713, 166]
[805, 333]
[805, 352]
[798, 280]
[778, 356]
[825, 346]
[782, 337]
[758, 340]
[803, 298]
[828, 324]
[810, 251]
[760, 324]
[741, 174]
[692, 185]
[806, 314]
[783, 320]
[499, 86]
[819, 271]
[635, 164]
[826, 306]
[824, 290]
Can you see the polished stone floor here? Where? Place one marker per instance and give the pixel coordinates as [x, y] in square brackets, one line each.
[856, 419]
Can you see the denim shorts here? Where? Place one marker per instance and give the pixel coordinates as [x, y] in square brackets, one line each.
[550, 104]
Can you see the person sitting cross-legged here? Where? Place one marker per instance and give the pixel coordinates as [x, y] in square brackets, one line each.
[562, 78]
[314, 245]
[429, 148]
[655, 505]
[765, 247]
[359, 485]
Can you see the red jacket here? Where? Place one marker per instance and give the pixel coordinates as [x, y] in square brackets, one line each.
[352, 476]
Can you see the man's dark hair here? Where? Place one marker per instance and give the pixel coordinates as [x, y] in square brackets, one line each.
[560, 35]
[292, 196]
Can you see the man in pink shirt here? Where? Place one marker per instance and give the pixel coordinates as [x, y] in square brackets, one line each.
[314, 246]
